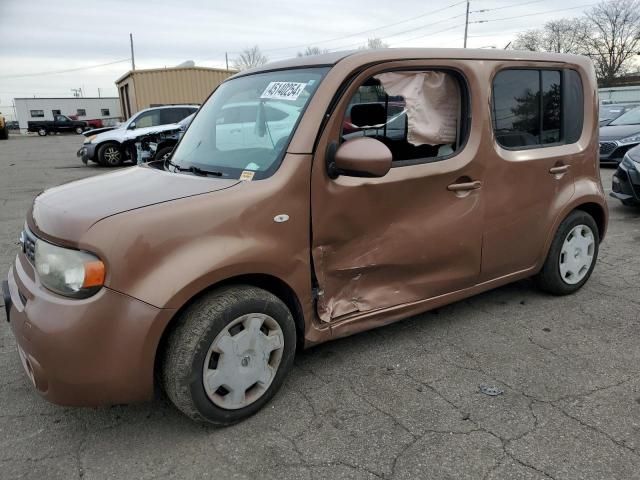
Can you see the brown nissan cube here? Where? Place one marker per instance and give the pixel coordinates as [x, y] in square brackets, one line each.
[308, 200]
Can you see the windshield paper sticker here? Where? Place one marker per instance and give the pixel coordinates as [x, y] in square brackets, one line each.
[247, 175]
[283, 90]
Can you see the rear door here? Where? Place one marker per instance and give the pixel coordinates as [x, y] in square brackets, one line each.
[413, 234]
[537, 116]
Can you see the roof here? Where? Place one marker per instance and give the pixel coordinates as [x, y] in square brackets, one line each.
[172, 69]
[66, 98]
[387, 54]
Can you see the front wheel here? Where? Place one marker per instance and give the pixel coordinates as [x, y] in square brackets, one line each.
[572, 255]
[228, 354]
[163, 154]
[110, 155]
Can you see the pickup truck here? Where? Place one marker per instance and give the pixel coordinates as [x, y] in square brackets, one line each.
[4, 128]
[60, 123]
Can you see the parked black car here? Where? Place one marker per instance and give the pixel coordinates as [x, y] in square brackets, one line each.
[619, 136]
[626, 181]
[60, 123]
[611, 111]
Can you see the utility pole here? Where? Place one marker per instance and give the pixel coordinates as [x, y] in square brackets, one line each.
[466, 25]
[133, 58]
[99, 96]
[226, 59]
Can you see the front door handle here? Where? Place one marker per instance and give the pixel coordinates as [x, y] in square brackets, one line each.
[464, 186]
[558, 169]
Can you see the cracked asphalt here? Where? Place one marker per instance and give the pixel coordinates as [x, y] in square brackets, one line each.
[399, 402]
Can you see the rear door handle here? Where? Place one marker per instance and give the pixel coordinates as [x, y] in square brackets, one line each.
[465, 186]
[559, 169]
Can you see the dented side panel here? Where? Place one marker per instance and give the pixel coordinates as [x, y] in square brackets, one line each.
[405, 237]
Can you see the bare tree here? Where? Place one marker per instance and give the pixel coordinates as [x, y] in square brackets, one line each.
[374, 43]
[249, 58]
[615, 37]
[566, 35]
[313, 51]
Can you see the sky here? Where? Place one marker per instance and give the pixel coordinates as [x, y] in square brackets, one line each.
[40, 37]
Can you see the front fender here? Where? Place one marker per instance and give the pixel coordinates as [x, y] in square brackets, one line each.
[165, 254]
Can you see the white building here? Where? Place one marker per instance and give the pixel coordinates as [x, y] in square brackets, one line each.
[619, 94]
[106, 109]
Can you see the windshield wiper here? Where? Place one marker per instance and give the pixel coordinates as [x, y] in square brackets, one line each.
[195, 170]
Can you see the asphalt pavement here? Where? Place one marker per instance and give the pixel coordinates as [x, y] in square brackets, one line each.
[400, 402]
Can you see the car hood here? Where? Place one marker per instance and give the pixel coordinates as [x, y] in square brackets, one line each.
[616, 132]
[66, 212]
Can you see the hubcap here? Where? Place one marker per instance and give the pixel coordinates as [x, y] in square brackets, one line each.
[112, 155]
[242, 361]
[576, 255]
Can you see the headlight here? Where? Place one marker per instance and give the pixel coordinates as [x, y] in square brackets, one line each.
[631, 139]
[90, 139]
[68, 272]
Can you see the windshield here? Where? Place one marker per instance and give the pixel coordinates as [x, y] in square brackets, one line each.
[245, 126]
[610, 111]
[632, 117]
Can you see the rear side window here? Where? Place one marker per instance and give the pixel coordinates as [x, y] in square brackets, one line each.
[173, 115]
[532, 108]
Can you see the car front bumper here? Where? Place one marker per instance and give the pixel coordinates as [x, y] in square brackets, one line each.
[626, 183]
[612, 152]
[83, 352]
[87, 152]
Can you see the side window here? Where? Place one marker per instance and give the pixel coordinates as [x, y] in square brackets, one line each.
[148, 119]
[417, 114]
[173, 115]
[61, 118]
[536, 107]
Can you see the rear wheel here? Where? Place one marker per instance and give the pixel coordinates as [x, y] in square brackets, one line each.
[79, 130]
[228, 354]
[4, 133]
[572, 255]
[110, 155]
[42, 132]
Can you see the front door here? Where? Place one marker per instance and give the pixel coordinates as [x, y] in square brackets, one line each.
[415, 233]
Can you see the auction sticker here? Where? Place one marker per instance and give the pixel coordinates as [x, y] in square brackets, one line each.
[247, 175]
[283, 90]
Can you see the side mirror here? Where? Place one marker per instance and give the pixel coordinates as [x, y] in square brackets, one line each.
[132, 126]
[360, 157]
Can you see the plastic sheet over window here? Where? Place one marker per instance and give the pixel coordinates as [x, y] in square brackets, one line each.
[432, 104]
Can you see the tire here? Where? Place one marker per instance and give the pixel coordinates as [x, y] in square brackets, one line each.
[42, 132]
[190, 354]
[4, 133]
[163, 153]
[79, 130]
[566, 268]
[630, 203]
[110, 155]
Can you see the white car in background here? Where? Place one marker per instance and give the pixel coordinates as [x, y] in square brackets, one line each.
[238, 125]
[107, 147]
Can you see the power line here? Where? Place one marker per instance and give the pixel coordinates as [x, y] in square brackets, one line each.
[381, 27]
[346, 47]
[55, 72]
[504, 7]
[533, 14]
